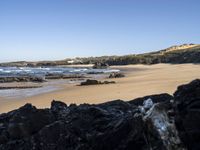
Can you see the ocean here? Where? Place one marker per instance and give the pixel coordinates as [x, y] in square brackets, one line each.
[42, 71]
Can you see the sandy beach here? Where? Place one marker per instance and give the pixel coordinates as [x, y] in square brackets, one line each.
[140, 80]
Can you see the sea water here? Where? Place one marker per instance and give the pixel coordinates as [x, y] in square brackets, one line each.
[42, 71]
[47, 86]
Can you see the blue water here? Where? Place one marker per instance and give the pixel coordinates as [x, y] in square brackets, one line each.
[42, 71]
[47, 86]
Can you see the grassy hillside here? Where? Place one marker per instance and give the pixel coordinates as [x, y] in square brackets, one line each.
[187, 53]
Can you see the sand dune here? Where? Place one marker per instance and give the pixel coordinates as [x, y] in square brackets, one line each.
[140, 80]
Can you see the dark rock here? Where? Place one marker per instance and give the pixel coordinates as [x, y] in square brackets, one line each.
[116, 75]
[63, 76]
[99, 65]
[90, 82]
[157, 98]
[144, 124]
[187, 108]
[22, 79]
[95, 72]
[23, 123]
[108, 82]
[19, 87]
[161, 132]
[95, 82]
[59, 109]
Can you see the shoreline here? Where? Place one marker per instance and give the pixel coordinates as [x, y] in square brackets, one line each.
[140, 80]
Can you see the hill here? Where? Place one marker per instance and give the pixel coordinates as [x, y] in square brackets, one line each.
[186, 53]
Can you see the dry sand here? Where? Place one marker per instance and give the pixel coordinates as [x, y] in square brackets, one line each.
[140, 80]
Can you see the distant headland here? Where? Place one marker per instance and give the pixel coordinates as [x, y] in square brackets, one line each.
[185, 53]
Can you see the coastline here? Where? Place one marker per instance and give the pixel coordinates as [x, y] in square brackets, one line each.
[140, 80]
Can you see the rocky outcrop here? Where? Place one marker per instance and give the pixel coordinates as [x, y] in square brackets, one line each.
[155, 122]
[22, 79]
[187, 106]
[100, 65]
[116, 75]
[63, 76]
[95, 82]
[20, 87]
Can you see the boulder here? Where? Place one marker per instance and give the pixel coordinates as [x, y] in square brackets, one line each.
[116, 75]
[24, 122]
[95, 82]
[100, 65]
[187, 108]
[160, 130]
[90, 82]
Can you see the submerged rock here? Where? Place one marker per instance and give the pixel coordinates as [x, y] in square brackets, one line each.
[156, 122]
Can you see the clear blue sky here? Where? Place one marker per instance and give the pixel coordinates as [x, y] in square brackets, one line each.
[58, 29]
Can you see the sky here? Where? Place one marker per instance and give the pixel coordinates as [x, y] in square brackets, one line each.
[57, 29]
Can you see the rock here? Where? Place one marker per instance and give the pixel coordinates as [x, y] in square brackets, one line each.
[99, 65]
[59, 109]
[63, 76]
[90, 82]
[187, 109]
[19, 87]
[108, 82]
[150, 123]
[116, 75]
[161, 132]
[95, 72]
[24, 122]
[22, 79]
[157, 98]
[147, 104]
[95, 82]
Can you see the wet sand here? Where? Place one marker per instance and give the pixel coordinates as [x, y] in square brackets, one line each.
[140, 80]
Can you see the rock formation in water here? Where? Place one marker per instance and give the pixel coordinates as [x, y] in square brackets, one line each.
[156, 122]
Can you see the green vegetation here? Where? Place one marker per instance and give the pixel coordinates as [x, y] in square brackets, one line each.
[189, 55]
[176, 56]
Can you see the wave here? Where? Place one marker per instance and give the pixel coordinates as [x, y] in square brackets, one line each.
[40, 70]
[112, 70]
[6, 71]
[79, 70]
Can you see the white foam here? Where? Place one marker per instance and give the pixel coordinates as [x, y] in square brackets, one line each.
[7, 71]
[46, 68]
[79, 70]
